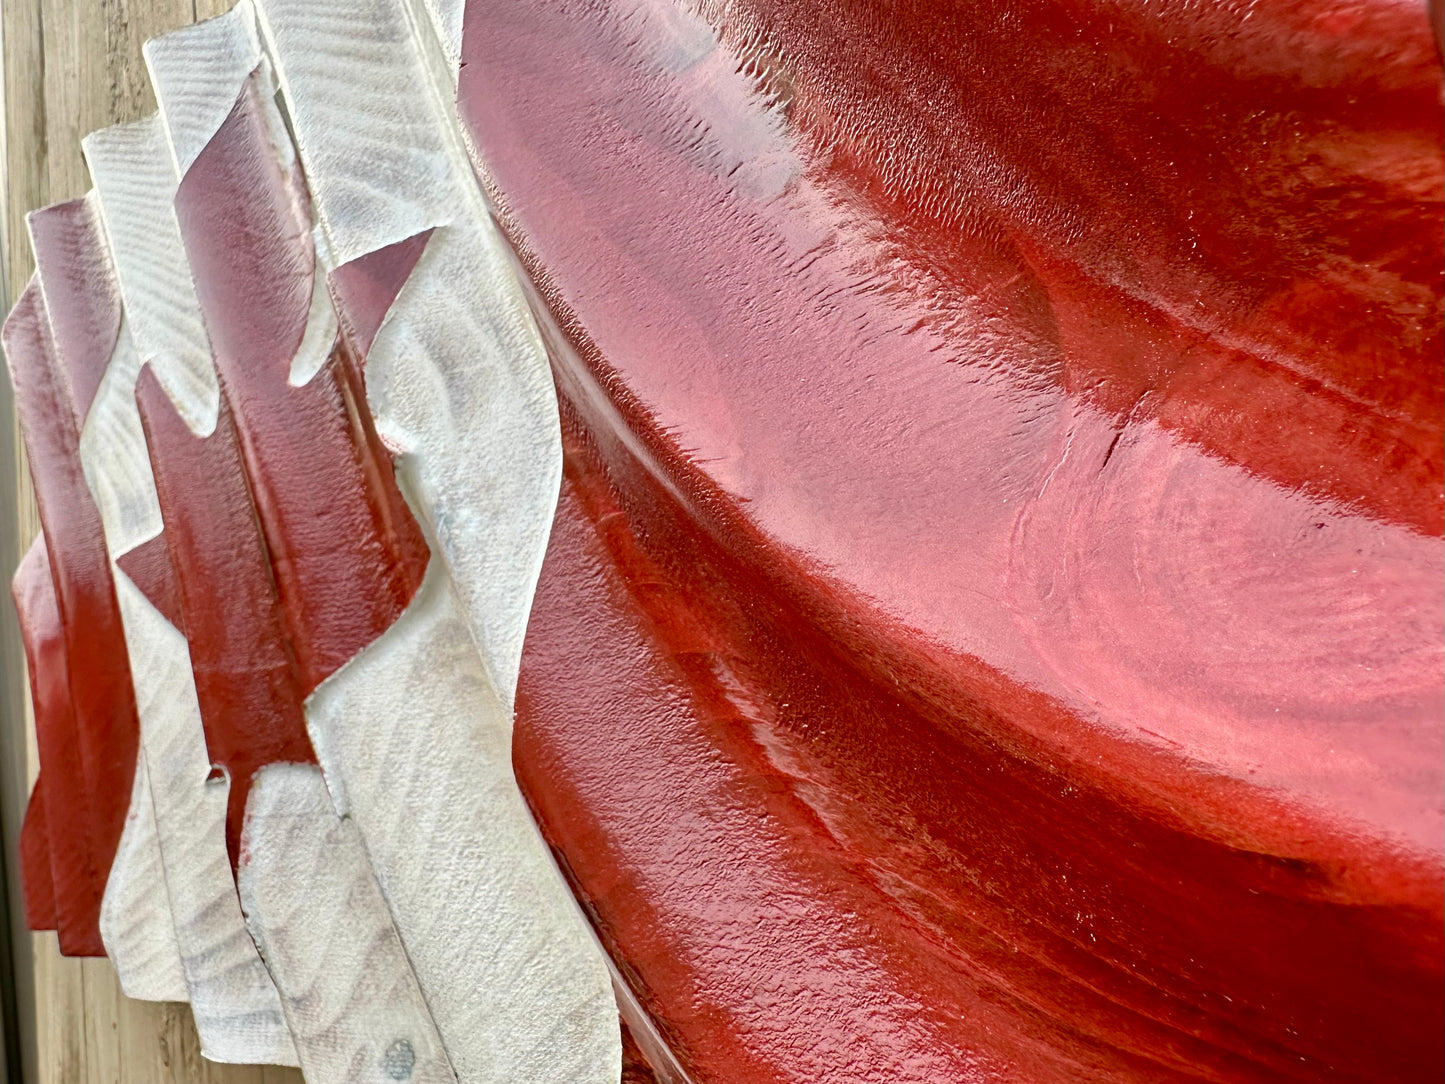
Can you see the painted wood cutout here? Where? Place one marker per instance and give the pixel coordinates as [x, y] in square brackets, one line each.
[233, 1000]
[350, 996]
[37, 881]
[514, 1017]
[345, 551]
[1025, 364]
[84, 316]
[456, 377]
[95, 761]
[248, 687]
[875, 544]
[65, 836]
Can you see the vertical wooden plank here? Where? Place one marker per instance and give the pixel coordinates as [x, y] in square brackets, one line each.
[101, 1024]
[26, 176]
[158, 1044]
[60, 1014]
[25, 185]
[88, 1032]
[209, 9]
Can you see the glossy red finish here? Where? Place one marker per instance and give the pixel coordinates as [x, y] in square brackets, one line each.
[89, 774]
[65, 868]
[149, 568]
[635, 1069]
[992, 517]
[346, 554]
[365, 288]
[246, 680]
[992, 626]
[778, 840]
[36, 882]
[1223, 219]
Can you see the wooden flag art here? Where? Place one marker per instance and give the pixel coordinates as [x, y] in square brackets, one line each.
[686, 542]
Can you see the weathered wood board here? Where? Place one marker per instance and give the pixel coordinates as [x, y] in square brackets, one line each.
[69, 67]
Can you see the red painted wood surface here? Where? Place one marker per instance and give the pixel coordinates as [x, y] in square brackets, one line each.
[291, 545]
[992, 623]
[88, 762]
[55, 855]
[81, 294]
[149, 568]
[346, 554]
[36, 882]
[246, 681]
[364, 288]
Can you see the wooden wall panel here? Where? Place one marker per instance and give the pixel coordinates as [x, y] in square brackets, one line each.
[68, 67]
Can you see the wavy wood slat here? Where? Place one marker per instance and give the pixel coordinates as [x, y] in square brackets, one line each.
[70, 67]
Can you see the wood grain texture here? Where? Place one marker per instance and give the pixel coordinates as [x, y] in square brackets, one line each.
[233, 1001]
[414, 735]
[322, 924]
[70, 67]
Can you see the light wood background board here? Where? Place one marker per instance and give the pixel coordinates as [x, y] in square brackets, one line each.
[68, 67]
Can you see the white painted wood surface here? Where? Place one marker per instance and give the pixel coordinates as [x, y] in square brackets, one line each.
[135, 182]
[236, 1007]
[355, 1011]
